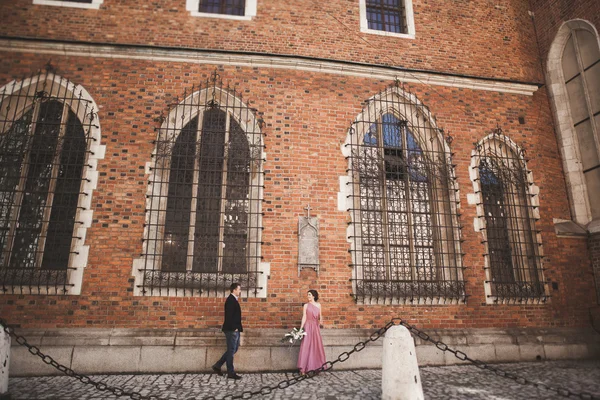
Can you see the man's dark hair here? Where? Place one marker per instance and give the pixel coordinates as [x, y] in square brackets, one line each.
[233, 286]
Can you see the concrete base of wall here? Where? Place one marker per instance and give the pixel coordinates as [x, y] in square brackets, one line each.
[106, 351]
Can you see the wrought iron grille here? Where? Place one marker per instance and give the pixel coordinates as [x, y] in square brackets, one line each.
[386, 15]
[44, 141]
[404, 204]
[228, 7]
[203, 227]
[512, 242]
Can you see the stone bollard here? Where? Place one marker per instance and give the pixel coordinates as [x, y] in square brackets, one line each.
[4, 361]
[400, 378]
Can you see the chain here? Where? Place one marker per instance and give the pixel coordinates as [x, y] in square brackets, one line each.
[480, 364]
[244, 395]
[268, 389]
[309, 374]
[69, 372]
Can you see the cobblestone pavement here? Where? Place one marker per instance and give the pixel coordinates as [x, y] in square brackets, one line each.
[452, 382]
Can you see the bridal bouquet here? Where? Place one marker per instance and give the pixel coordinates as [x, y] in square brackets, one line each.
[294, 336]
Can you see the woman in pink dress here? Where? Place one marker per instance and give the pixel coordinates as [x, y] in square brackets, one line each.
[312, 353]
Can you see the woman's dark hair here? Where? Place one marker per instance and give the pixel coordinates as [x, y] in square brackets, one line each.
[314, 293]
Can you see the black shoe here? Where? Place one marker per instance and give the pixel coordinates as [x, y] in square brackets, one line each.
[216, 370]
[234, 376]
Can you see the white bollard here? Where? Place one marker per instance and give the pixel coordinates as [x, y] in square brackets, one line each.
[4, 361]
[400, 378]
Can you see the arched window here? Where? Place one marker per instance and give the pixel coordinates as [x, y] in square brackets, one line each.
[47, 131]
[404, 238]
[204, 208]
[507, 210]
[574, 84]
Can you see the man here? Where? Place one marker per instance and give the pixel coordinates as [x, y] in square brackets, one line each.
[232, 326]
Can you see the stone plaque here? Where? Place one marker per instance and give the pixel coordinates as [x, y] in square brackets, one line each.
[308, 243]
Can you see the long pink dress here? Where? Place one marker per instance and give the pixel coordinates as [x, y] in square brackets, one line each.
[312, 353]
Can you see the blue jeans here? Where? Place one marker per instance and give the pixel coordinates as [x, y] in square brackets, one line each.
[233, 343]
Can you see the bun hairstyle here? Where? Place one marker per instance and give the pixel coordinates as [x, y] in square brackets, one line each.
[314, 293]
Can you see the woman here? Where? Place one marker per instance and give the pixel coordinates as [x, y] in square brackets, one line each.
[312, 353]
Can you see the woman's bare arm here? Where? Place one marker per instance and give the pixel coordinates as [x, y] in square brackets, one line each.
[303, 316]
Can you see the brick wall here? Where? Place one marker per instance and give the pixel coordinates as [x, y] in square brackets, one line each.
[307, 116]
[551, 14]
[465, 37]
[594, 249]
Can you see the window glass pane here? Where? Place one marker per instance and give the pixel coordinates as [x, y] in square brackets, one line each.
[588, 47]
[592, 79]
[592, 180]
[587, 145]
[65, 197]
[228, 7]
[208, 208]
[569, 61]
[236, 206]
[179, 202]
[496, 218]
[577, 100]
[35, 195]
[387, 15]
[12, 150]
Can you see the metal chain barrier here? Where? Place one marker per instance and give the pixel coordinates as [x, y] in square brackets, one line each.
[268, 389]
[480, 364]
[244, 395]
[69, 372]
[309, 374]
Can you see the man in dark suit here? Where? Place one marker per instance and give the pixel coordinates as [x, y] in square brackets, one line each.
[232, 326]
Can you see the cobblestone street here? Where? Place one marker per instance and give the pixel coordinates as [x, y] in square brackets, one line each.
[452, 382]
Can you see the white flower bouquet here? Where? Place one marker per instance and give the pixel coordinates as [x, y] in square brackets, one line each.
[293, 336]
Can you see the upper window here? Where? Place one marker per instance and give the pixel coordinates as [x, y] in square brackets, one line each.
[507, 210]
[204, 208]
[405, 240]
[231, 9]
[71, 3]
[46, 132]
[387, 17]
[581, 71]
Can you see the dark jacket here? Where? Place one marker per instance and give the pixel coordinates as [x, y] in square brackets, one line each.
[233, 315]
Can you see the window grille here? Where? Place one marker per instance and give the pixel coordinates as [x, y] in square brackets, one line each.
[513, 246]
[228, 7]
[44, 141]
[405, 240]
[386, 15]
[204, 215]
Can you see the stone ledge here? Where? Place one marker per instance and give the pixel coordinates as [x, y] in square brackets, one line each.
[100, 351]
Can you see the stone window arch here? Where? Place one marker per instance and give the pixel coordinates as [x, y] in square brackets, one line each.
[574, 85]
[507, 210]
[204, 211]
[49, 147]
[403, 201]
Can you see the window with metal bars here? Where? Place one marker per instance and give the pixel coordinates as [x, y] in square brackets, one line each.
[507, 213]
[403, 202]
[44, 143]
[386, 15]
[227, 7]
[204, 213]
